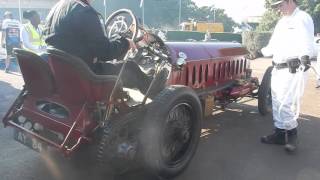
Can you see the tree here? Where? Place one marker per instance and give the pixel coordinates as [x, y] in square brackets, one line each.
[313, 8]
[268, 21]
[227, 21]
[165, 13]
[214, 14]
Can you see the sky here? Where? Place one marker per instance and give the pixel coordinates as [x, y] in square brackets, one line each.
[237, 9]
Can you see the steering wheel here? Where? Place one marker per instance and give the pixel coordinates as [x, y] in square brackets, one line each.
[122, 22]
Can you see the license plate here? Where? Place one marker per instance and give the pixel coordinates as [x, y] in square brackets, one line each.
[29, 141]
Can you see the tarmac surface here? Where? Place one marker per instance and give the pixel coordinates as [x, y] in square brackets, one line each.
[229, 148]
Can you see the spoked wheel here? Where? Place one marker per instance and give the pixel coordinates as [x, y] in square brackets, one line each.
[171, 131]
[114, 148]
[177, 134]
[264, 93]
[118, 145]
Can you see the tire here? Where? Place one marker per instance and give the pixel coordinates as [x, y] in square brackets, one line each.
[121, 133]
[264, 93]
[171, 131]
[101, 157]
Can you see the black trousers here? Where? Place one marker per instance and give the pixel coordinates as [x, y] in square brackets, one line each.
[132, 77]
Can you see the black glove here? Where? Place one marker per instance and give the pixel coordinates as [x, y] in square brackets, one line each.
[305, 61]
[293, 65]
[259, 53]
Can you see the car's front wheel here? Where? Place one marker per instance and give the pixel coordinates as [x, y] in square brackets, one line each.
[264, 93]
[171, 131]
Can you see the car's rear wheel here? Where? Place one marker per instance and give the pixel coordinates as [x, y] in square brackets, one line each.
[264, 93]
[114, 147]
[118, 146]
[171, 131]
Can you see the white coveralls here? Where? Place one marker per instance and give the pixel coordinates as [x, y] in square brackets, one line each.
[292, 38]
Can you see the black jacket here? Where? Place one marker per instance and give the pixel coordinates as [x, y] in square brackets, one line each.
[76, 28]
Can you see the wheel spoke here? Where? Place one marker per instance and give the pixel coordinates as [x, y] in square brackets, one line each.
[177, 133]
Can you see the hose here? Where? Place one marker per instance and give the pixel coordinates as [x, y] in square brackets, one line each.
[315, 71]
[296, 88]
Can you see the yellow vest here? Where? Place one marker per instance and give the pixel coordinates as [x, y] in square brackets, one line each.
[35, 38]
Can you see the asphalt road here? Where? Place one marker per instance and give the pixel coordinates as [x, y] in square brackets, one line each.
[229, 147]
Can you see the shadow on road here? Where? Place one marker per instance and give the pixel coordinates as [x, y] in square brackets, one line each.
[233, 150]
[7, 96]
[229, 149]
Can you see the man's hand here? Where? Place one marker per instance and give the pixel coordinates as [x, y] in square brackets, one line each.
[146, 40]
[259, 53]
[305, 61]
[266, 51]
[132, 45]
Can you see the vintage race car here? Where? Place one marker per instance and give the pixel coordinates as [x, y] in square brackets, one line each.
[65, 106]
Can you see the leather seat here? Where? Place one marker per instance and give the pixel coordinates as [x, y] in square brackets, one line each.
[75, 81]
[36, 73]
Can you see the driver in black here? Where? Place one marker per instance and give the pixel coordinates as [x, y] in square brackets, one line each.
[78, 29]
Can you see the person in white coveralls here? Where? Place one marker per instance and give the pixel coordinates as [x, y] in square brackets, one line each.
[291, 45]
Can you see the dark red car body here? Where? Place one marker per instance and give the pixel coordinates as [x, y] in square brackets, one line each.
[211, 69]
[214, 68]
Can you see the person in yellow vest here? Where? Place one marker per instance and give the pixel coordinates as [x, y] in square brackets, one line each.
[31, 33]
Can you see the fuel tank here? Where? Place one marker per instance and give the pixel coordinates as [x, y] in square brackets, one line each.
[195, 51]
[207, 64]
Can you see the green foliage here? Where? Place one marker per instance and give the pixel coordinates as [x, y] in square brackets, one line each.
[313, 8]
[268, 21]
[165, 13]
[254, 41]
[212, 14]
